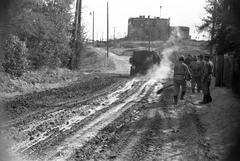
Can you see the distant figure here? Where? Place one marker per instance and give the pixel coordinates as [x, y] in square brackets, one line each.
[181, 72]
[195, 69]
[206, 79]
[188, 60]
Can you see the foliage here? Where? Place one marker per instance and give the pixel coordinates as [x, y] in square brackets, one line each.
[46, 27]
[222, 23]
[15, 54]
[212, 22]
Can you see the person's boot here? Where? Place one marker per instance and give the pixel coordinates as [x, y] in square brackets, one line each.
[204, 100]
[175, 100]
[182, 96]
[193, 91]
[209, 98]
[199, 90]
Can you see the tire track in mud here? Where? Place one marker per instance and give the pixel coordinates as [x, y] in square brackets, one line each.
[152, 129]
[69, 104]
[134, 124]
[150, 139]
[22, 129]
[130, 151]
[137, 117]
[38, 149]
[91, 129]
[58, 134]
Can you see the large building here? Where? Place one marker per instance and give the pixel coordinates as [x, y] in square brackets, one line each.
[143, 29]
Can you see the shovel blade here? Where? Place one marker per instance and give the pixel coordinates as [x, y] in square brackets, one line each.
[160, 91]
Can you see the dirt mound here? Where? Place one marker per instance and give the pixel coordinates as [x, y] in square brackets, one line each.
[95, 61]
[37, 80]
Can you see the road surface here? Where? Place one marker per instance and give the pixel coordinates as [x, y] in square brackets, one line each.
[110, 117]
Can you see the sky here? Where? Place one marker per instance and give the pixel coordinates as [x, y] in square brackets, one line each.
[181, 13]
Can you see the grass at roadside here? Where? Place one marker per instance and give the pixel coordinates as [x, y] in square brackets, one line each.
[36, 80]
[95, 62]
[46, 78]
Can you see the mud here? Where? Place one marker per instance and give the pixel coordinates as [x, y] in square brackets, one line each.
[105, 118]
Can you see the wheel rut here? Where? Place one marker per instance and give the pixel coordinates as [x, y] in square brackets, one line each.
[130, 123]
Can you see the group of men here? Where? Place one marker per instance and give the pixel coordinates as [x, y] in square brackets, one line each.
[199, 70]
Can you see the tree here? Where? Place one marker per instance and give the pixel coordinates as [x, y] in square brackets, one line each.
[225, 34]
[212, 21]
[46, 27]
[15, 56]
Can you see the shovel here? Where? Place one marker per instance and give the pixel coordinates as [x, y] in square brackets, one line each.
[160, 90]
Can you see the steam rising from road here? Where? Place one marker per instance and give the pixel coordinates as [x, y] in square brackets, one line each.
[169, 53]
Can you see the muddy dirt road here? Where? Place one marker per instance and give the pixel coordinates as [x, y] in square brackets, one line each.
[105, 116]
[122, 120]
[122, 65]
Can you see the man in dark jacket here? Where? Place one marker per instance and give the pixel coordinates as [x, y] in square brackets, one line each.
[206, 79]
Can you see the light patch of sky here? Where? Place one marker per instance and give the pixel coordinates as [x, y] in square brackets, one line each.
[181, 13]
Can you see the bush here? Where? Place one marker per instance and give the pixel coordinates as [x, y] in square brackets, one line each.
[15, 56]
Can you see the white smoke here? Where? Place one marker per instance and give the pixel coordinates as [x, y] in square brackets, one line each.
[169, 54]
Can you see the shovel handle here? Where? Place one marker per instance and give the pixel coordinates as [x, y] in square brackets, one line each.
[160, 90]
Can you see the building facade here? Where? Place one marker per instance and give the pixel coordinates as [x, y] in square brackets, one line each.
[145, 29]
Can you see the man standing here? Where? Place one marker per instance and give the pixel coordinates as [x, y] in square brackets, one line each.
[188, 60]
[180, 72]
[206, 79]
[201, 63]
[195, 70]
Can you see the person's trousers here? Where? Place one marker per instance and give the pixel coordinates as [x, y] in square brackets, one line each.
[206, 86]
[177, 84]
[196, 80]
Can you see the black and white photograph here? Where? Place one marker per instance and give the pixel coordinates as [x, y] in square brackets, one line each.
[120, 80]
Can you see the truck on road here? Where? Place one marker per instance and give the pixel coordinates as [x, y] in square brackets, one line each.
[143, 60]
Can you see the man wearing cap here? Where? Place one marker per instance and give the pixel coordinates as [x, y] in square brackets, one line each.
[195, 70]
[181, 71]
[206, 79]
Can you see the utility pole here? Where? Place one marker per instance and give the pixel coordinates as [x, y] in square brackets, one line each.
[160, 11]
[114, 33]
[78, 35]
[102, 36]
[93, 30]
[150, 37]
[75, 35]
[107, 36]
[114, 37]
